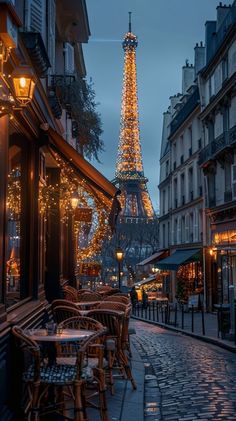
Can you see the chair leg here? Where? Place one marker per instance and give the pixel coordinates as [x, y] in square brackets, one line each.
[102, 396]
[34, 410]
[79, 411]
[127, 369]
[110, 373]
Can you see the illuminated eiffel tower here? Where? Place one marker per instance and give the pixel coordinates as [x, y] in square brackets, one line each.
[135, 200]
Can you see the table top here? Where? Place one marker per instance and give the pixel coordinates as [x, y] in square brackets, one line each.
[66, 335]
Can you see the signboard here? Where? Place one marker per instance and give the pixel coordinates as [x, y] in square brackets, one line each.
[83, 214]
[90, 269]
[193, 300]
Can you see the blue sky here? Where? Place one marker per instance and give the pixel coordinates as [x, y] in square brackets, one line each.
[167, 32]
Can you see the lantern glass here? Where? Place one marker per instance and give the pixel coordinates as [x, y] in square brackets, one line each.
[24, 84]
[119, 254]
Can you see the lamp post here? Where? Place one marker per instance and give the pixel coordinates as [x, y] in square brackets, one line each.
[119, 257]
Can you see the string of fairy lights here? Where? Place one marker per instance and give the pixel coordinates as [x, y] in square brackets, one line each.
[129, 164]
[91, 222]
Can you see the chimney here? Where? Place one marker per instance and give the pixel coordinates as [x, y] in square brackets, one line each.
[222, 11]
[199, 58]
[210, 32]
[188, 75]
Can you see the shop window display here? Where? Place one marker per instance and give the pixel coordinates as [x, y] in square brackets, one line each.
[14, 210]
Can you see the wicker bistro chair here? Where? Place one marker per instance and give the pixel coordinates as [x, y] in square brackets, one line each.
[114, 322]
[70, 293]
[95, 360]
[39, 376]
[90, 296]
[64, 303]
[118, 299]
[112, 305]
[63, 312]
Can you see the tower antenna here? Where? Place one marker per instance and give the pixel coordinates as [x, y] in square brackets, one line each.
[130, 21]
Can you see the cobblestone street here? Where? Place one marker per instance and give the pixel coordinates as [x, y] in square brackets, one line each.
[186, 379]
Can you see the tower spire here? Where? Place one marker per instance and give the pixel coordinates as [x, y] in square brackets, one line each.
[129, 165]
[130, 13]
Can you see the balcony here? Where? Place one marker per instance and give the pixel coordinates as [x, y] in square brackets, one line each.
[36, 49]
[185, 111]
[225, 140]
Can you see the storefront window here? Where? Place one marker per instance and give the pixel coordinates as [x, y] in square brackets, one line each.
[14, 211]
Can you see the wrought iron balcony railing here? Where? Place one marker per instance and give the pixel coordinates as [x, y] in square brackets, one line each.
[225, 140]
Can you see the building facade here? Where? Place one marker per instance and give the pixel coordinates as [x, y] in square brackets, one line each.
[197, 170]
[218, 156]
[46, 186]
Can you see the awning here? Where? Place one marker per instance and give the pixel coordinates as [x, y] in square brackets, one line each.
[153, 258]
[83, 167]
[151, 278]
[179, 257]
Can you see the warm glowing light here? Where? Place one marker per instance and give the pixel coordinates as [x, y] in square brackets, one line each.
[119, 254]
[22, 82]
[129, 165]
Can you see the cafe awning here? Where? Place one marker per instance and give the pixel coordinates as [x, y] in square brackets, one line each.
[153, 258]
[83, 167]
[179, 257]
[151, 278]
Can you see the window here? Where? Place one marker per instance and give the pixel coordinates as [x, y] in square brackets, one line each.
[14, 226]
[190, 184]
[163, 202]
[164, 235]
[167, 168]
[224, 68]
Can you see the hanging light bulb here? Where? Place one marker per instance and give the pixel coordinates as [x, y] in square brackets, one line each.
[74, 200]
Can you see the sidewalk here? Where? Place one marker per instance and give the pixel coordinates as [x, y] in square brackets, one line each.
[210, 322]
[126, 404]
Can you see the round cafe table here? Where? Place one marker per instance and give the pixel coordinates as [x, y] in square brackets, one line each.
[66, 335]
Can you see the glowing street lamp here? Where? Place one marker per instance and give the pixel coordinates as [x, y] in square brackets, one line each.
[24, 84]
[119, 253]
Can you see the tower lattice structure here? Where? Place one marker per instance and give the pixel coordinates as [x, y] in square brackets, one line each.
[135, 199]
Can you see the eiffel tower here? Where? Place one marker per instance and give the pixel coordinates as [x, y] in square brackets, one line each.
[135, 200]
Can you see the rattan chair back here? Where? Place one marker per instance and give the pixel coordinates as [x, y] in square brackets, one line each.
[61, 313]
[118, 299]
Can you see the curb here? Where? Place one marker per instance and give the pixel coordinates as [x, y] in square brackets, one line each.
[207, 339]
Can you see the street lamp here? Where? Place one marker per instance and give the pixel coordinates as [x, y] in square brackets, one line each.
[119, 257]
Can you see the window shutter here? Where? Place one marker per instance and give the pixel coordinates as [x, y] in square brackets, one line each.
[51, 34]
[234, 181]
[69, 58]
[36, 18]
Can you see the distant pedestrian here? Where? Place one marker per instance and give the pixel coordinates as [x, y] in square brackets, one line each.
[133, 296]
[144, 298]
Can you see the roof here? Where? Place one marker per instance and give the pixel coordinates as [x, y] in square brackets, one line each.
[178, 258]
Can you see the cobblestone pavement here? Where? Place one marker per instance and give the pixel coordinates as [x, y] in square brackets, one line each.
[186, 379]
